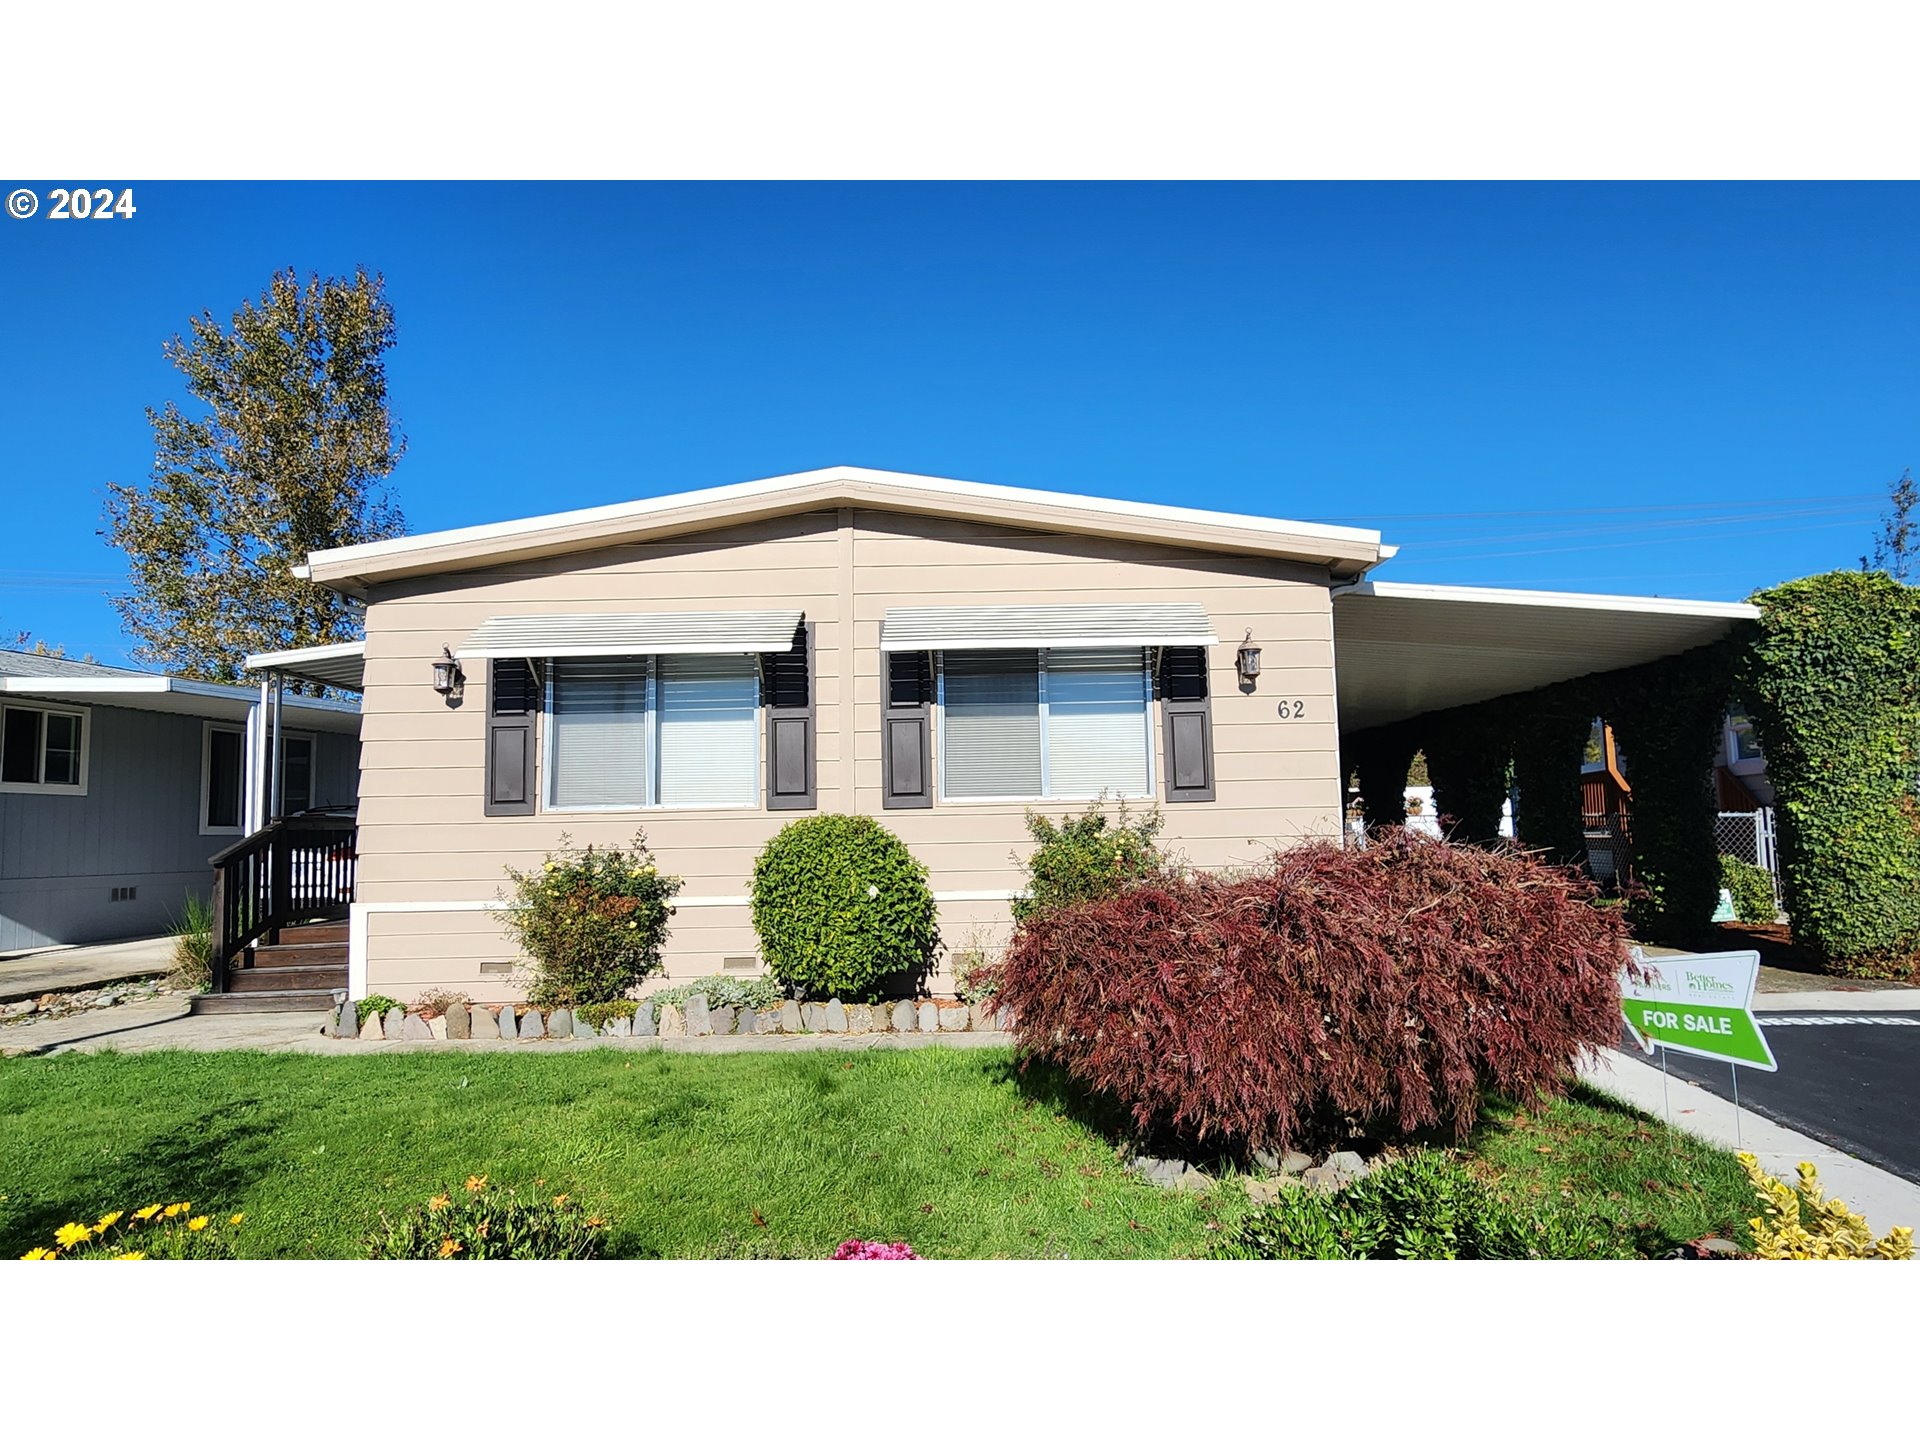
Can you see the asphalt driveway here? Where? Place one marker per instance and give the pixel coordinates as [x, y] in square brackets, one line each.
[1850, 1079]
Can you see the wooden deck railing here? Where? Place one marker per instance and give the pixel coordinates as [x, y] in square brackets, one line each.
[296, 869]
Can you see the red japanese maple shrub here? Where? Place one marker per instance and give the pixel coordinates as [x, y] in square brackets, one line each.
[1389, 986]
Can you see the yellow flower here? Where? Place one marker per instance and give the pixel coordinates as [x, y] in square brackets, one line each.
[476, 1182]
[132, 1255]
[171, 1211]
[70, 1234]
[40, 1252]
[594, 1222]
[108, 1218]
[450, 1248]
[551, 867]
[147, 1214]
[559, 1202]
[438, 1202]
[238, 1217]
[199, 1222]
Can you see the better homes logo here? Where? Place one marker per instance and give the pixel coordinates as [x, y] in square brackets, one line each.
[1707, 984]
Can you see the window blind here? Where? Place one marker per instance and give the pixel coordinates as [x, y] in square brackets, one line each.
[598, 730]
[708, 729]
[1096, 723]
[990, 723]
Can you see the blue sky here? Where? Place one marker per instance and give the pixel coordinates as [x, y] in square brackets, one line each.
[1666, 389]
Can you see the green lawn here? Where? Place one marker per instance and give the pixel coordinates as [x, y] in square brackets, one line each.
[737, 1155]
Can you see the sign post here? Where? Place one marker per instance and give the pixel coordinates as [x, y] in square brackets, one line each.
[1698, 1005]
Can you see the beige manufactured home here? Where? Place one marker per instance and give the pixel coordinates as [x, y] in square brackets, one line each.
[942, 655]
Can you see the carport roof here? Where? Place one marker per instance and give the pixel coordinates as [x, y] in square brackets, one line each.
[1402, 649]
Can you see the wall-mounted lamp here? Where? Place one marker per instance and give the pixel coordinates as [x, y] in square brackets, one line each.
[1247, 662]
[448, 677]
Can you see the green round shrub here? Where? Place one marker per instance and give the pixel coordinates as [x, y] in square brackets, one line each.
[1751, 889]
[840, 904]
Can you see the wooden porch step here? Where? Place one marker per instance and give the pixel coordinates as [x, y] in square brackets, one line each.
[323, 932]
[329, 953]
[287, 977]
[262, 1002]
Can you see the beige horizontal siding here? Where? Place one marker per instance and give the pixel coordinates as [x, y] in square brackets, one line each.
[424, 837]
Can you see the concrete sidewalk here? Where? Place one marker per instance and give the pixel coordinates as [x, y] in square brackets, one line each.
[31, 973]
[1869, 1001]
[1885, 1199]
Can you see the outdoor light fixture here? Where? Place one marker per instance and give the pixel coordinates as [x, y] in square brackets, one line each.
[448, 677]
[1248, 661]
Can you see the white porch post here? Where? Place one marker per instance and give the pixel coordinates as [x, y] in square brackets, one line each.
[277, 754]
[255, 818]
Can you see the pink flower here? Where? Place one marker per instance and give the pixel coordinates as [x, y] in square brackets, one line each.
[874, 1250]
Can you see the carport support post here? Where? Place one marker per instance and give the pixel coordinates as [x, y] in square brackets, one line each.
[1550, 729]
[276, 759]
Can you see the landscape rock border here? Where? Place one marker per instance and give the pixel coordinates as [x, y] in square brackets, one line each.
[695, 1019]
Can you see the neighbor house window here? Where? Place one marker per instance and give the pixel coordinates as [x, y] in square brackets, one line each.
[1043, 724]
[223, 778]
[625, 732]
[43, 749]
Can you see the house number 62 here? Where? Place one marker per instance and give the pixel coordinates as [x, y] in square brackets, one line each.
[1293, 709]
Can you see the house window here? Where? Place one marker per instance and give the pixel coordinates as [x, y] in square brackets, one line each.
[296, 775]
[628, 732]
[222, 779]
[1044, 724]
[1742, 743]
[43, 750]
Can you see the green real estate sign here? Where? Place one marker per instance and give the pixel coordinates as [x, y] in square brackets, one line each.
[1698, 1005]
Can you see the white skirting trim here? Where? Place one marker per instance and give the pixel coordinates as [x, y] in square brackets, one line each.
[361, 909]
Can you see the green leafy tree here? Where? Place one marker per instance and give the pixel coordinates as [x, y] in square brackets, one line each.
[288, 452]
[1898, 542]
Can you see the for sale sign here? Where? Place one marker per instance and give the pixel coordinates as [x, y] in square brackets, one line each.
[1698, 1005]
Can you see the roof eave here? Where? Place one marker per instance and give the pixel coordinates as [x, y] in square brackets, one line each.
[1344, 553]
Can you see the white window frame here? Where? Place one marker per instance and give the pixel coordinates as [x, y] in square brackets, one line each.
[207, 727]
[1043, 651]
[41, 787]
[1732, 758]
[311, 740]
[651, 803]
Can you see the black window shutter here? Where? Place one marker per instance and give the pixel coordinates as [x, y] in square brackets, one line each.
[787, 690]
[513, 709]
[906, 738]
[1188, 716]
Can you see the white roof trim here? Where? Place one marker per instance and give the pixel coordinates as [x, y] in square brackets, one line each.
[775, 485]
[1554, 599]
[342, 665]
[1029, 627]
[724, 632]
[105, 689]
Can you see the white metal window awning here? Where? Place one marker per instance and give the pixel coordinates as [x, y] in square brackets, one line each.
[732, 632]
[1031, 627]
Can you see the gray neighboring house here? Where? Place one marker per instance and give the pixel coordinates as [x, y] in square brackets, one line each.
[117, 786]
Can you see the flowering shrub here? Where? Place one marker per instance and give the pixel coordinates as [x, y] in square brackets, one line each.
[1386, 986]
[1083, 857]
[840, 904]
[474, 1222]
[153, 1232]
[874, 1250]
[591, 922]
[1800, 1223]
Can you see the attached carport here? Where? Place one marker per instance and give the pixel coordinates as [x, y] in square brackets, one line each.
[1502, 686]
[1405, 650]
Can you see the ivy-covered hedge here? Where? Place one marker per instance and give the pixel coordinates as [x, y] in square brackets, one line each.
[1669, 717]
[1833, 686]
